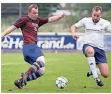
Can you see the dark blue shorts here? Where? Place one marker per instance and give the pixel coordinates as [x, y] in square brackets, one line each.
[100, 56]
[31, 52]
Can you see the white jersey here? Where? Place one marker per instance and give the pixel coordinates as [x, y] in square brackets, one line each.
[94, 32]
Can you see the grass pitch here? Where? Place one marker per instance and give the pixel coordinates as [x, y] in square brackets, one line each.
[73, 66]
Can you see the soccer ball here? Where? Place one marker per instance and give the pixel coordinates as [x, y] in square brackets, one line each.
[61, 82]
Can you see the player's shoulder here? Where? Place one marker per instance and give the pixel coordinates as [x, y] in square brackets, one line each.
[41, 18]
[24, 18]
[87, 19]
[104, 21]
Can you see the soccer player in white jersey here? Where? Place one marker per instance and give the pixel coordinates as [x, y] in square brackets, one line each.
[93, 47]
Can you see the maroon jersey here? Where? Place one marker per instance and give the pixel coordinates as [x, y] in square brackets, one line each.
[29, 28]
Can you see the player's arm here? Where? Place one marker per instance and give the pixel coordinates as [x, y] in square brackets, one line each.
[75, 26]
[55, 18]
[108, 27]
[8, 31]
[73, 30]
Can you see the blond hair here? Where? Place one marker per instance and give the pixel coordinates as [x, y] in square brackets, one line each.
[97, 8]
[32, 6]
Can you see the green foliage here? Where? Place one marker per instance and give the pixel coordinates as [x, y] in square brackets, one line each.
[107, 15]
[70, 20]
[13, 8]
[10, 13]
[45, 8]
[89, 6]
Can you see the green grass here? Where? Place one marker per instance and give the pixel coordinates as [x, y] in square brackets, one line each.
[73, 66]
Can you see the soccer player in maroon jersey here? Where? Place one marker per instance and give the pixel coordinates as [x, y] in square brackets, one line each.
[32, 53]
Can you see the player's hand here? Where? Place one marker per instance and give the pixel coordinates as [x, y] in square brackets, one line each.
[63, 15]
[75, 36]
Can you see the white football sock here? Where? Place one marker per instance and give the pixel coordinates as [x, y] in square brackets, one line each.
[98, 71]
[92, 64]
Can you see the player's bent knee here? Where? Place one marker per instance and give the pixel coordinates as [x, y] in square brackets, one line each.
[41, 71]
[41, 61]
[105, 75]
[89, 51]
[41, 64]
[41, 58]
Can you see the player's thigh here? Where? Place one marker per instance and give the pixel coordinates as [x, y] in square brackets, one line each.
[31, 52]
[103, 67]
[36, 54]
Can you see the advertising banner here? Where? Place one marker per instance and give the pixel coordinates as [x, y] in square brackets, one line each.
[107, 42]
[45, 42]
[50, 42]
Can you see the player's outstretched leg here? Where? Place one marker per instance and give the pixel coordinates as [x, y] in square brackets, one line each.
[24, 78]
[36, 70]
[30, 75]
[35, 67]
[21, 82]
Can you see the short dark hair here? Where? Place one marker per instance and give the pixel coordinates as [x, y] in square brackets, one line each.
[97, 8]
[32, 6]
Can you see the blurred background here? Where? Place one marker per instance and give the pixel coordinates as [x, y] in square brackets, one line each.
[74, 11]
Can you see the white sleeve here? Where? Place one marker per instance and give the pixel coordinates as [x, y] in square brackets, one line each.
[80, 23]
[108, 27]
